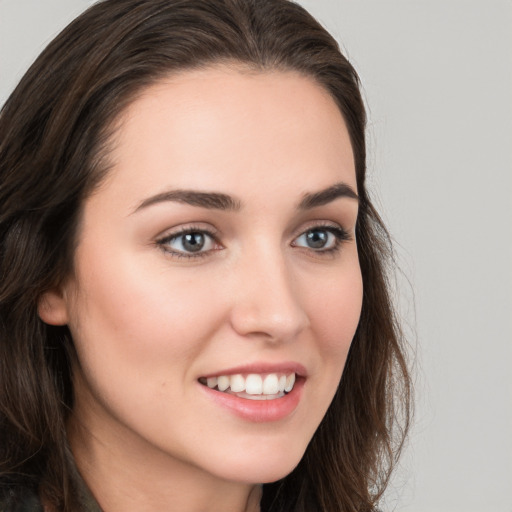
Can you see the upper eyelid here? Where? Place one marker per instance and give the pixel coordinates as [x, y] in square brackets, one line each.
[161, 243]
[171, 233]
[217, 234]
[341, 234]
[320, 224]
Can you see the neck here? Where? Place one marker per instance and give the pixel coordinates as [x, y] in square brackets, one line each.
[127, 475]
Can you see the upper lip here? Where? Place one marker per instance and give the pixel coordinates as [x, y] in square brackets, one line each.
[262, 367]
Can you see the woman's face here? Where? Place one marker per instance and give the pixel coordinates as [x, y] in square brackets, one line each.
[219, 251]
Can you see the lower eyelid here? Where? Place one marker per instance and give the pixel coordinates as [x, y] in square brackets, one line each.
[339, 234]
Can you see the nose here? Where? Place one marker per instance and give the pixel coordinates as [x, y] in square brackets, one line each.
[267, 302]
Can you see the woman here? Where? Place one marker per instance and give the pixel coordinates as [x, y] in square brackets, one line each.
[194, 307]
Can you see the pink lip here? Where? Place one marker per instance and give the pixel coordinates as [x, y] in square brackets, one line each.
[284, 367]
[257, 411]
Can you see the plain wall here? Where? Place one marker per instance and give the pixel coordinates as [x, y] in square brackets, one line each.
[437, 77]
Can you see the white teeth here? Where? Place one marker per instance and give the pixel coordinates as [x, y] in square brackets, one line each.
[290, 381]
[260, 397]
[271, 385]
[223, 382]
[254, 384]
[211, 382]
[237, 383]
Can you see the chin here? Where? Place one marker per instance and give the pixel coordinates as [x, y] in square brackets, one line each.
[264, 467]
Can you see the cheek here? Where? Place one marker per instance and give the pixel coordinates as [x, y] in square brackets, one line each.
[335, 312]
[336, 317]
[137, 335]
[129, 321]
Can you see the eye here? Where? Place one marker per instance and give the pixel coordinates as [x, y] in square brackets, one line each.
[321, 239]
[188, 243]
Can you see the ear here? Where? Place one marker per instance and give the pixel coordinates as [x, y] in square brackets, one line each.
[52, 307]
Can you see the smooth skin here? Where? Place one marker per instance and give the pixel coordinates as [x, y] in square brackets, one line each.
[152, 311]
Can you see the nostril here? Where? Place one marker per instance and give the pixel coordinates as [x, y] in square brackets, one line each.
[271, 324]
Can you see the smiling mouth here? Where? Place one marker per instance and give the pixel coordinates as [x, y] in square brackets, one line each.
[252, 386]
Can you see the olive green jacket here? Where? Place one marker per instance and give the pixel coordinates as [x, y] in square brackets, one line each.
[25, 500]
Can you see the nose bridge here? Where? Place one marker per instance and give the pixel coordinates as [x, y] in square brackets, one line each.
[267, 302]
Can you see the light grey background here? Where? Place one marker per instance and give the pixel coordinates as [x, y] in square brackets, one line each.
[437, 76]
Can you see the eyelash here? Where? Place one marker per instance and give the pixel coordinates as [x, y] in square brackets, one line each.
[340, 234]
[163, 242]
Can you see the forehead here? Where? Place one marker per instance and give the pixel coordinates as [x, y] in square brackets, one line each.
[217, 127]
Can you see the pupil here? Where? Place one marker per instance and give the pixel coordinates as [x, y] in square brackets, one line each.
[317, 239]
[193, 242]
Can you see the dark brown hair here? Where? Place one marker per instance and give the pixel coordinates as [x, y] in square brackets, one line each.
[54, 133]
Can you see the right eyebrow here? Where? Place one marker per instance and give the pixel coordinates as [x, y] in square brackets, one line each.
[210, 200]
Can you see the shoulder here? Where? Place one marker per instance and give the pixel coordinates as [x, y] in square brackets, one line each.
[16, 499]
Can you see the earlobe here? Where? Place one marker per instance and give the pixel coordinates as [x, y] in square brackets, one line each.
[52, 308]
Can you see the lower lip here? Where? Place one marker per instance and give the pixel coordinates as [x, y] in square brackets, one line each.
[258, 411]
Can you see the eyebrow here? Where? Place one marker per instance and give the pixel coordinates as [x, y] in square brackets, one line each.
[210, 200]
[327, 195]
[219, 201]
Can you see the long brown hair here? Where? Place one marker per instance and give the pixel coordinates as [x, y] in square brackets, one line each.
[54, 135]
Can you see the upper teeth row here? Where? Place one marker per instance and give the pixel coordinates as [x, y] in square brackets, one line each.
[253, 384]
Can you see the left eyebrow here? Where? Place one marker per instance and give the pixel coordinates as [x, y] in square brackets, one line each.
[322, 197]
